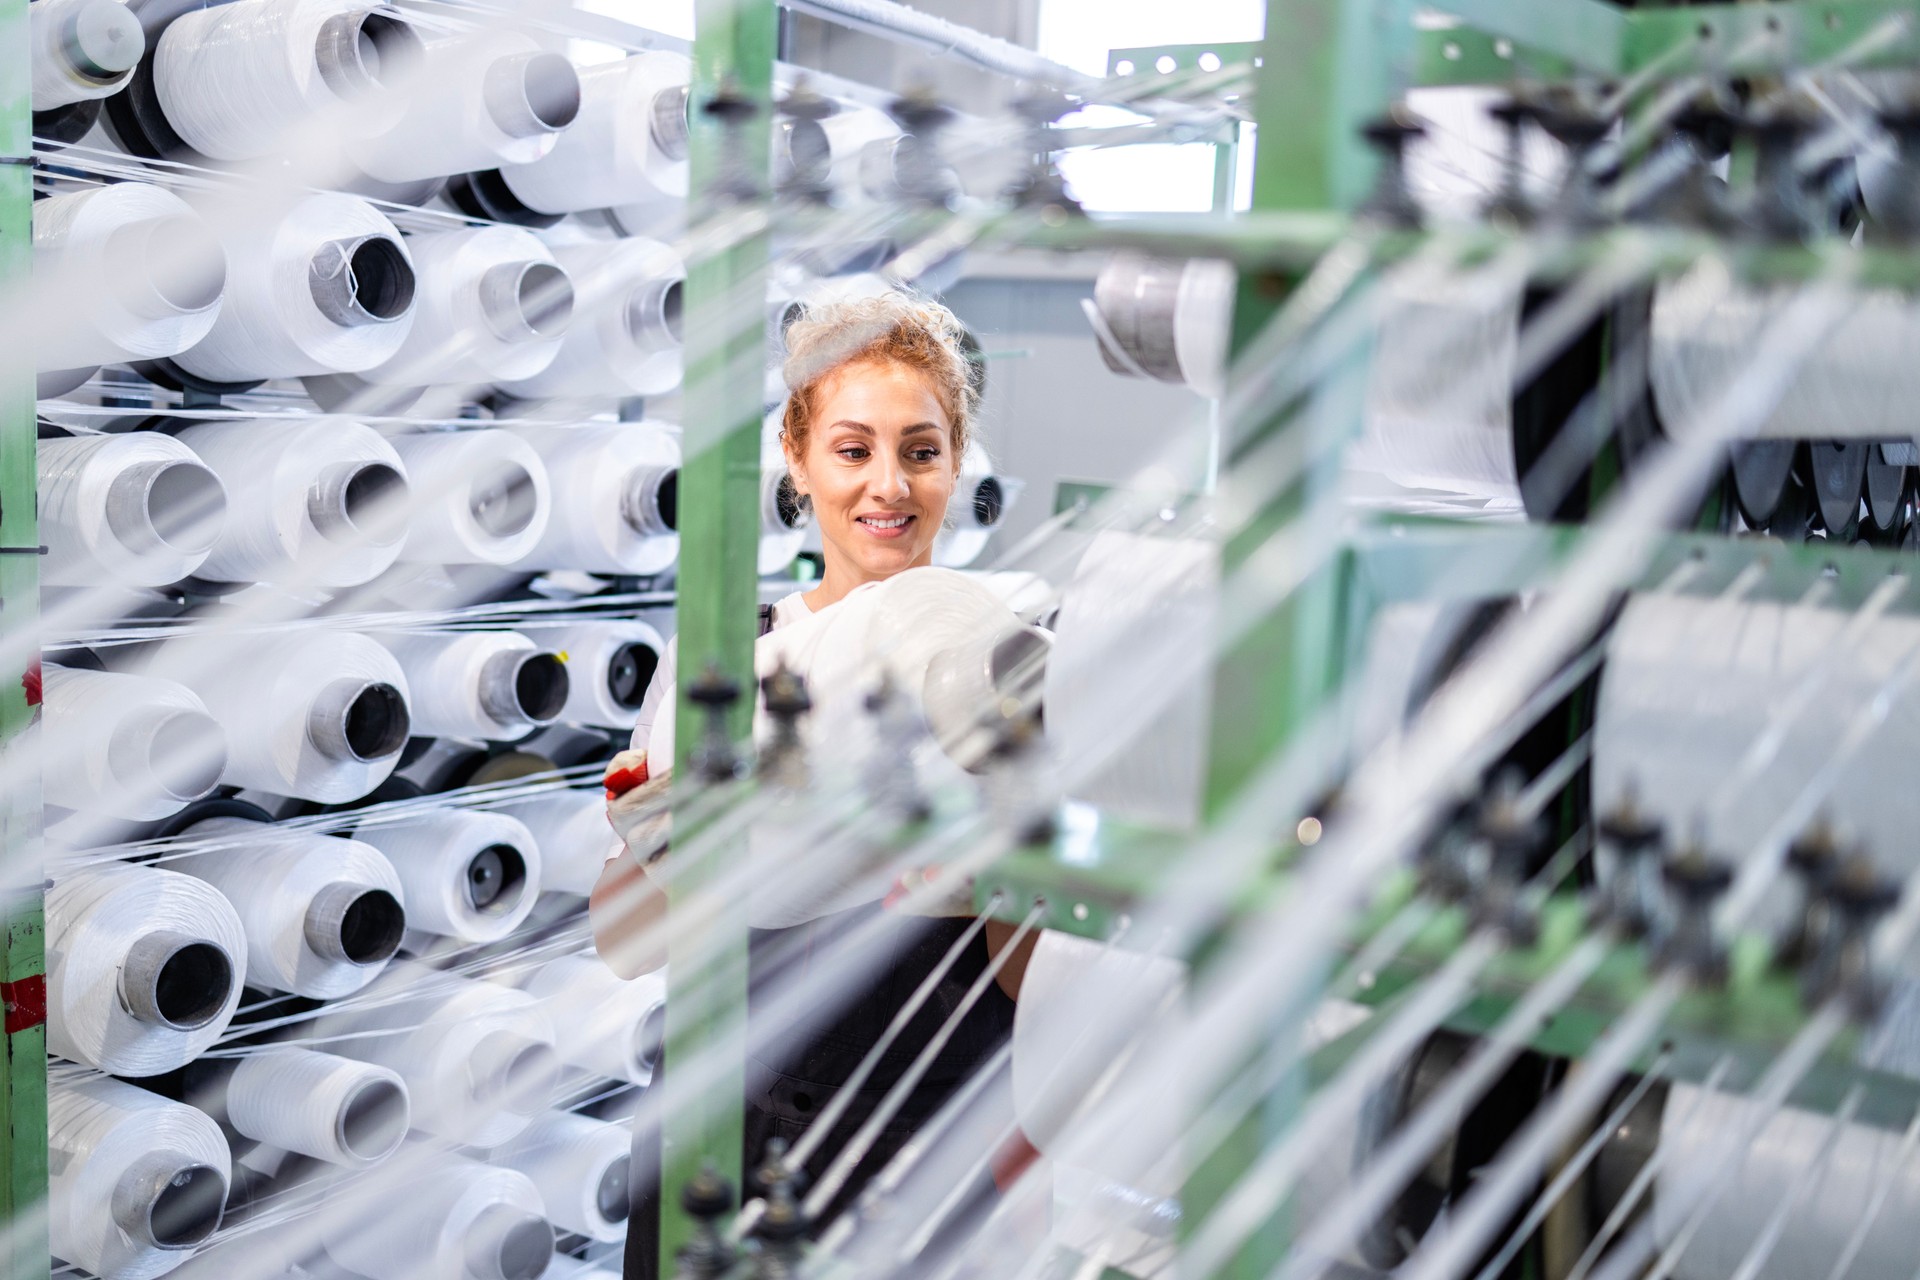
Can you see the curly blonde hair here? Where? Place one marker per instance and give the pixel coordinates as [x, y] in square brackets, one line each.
[895, 327]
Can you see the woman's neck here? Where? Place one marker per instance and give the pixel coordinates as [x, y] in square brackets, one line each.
[840, 576]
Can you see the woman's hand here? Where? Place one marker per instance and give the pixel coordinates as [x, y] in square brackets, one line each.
[632, 808]
[626, 909]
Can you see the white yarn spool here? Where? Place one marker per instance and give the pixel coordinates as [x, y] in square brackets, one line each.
[143, 272]
[235, 79]
[137, 510]
[463, 1220]
[492, 305]
[609, 666]
[485, 498]
[570, 828]
[1689, 687]
[1750, 1186]
[477, 1057]
[333, 1109]
[468, 873]
[137, 1182]
[1165, 320]
[126, 746]
[81, 50]
[1089, 1003]
[850, 131]
[324, 285]
[496, 686]
[623, 486]
[322, 915]
[143, 968]
[606, 1025]
[1125, 673]
[315, 503]
[1439, 409]
[783, 521]
[625, 336]
[980, 501]
[582, 1168]
[321, 715]
[1860, 381]
[478, 100]
[627, 145]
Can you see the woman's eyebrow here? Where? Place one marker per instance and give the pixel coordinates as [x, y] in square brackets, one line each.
[861, 427]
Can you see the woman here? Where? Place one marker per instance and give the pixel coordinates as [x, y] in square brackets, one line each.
[879, 407]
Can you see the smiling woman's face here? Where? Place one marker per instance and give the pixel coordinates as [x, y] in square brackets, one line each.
[879, 465]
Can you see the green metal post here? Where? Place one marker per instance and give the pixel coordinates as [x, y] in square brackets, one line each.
[1327, 67]
[23, 1085]
[719, 488]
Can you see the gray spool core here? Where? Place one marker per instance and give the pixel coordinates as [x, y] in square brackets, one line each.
[989, 502]
[505, 1243]
[355, 924]
[651, 503]
[503, 502]
[362, 720]
[669, 121]
[513, 1072]
[630, 672]
[786, 510]
[176, 751]
[648, 1039]
[809, 155]
[361, 280]
[373, 1121]
[529, 94]
[656, 308]
[170, 1201]
[357, 503]
[526, 301]
[496, 877]
[163, 267]
[166, 506]
[103, 41]
[359, 52]
[523, 685]
[174, 980]
[613, 1197]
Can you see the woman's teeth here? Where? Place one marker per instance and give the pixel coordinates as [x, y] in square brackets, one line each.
[877, 523]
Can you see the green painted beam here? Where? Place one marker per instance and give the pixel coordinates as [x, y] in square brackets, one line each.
[733, 55]
[1590, 35]
[23, 1084]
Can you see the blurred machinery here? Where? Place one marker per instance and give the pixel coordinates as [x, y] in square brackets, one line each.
[1465, 839]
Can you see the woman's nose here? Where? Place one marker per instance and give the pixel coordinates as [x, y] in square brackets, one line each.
[891, 481]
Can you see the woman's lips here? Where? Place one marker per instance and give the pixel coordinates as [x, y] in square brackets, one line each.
[886, 526]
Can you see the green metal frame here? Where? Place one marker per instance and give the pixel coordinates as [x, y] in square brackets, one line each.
[23, 1084]
[733, 53]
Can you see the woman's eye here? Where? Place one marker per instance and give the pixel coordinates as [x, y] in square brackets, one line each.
[853, 453]
[925, 455]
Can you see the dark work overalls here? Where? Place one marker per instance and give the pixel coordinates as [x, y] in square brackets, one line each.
[793, 1076]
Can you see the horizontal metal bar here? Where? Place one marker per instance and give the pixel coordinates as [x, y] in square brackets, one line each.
[1752, 39]
[937, 35]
